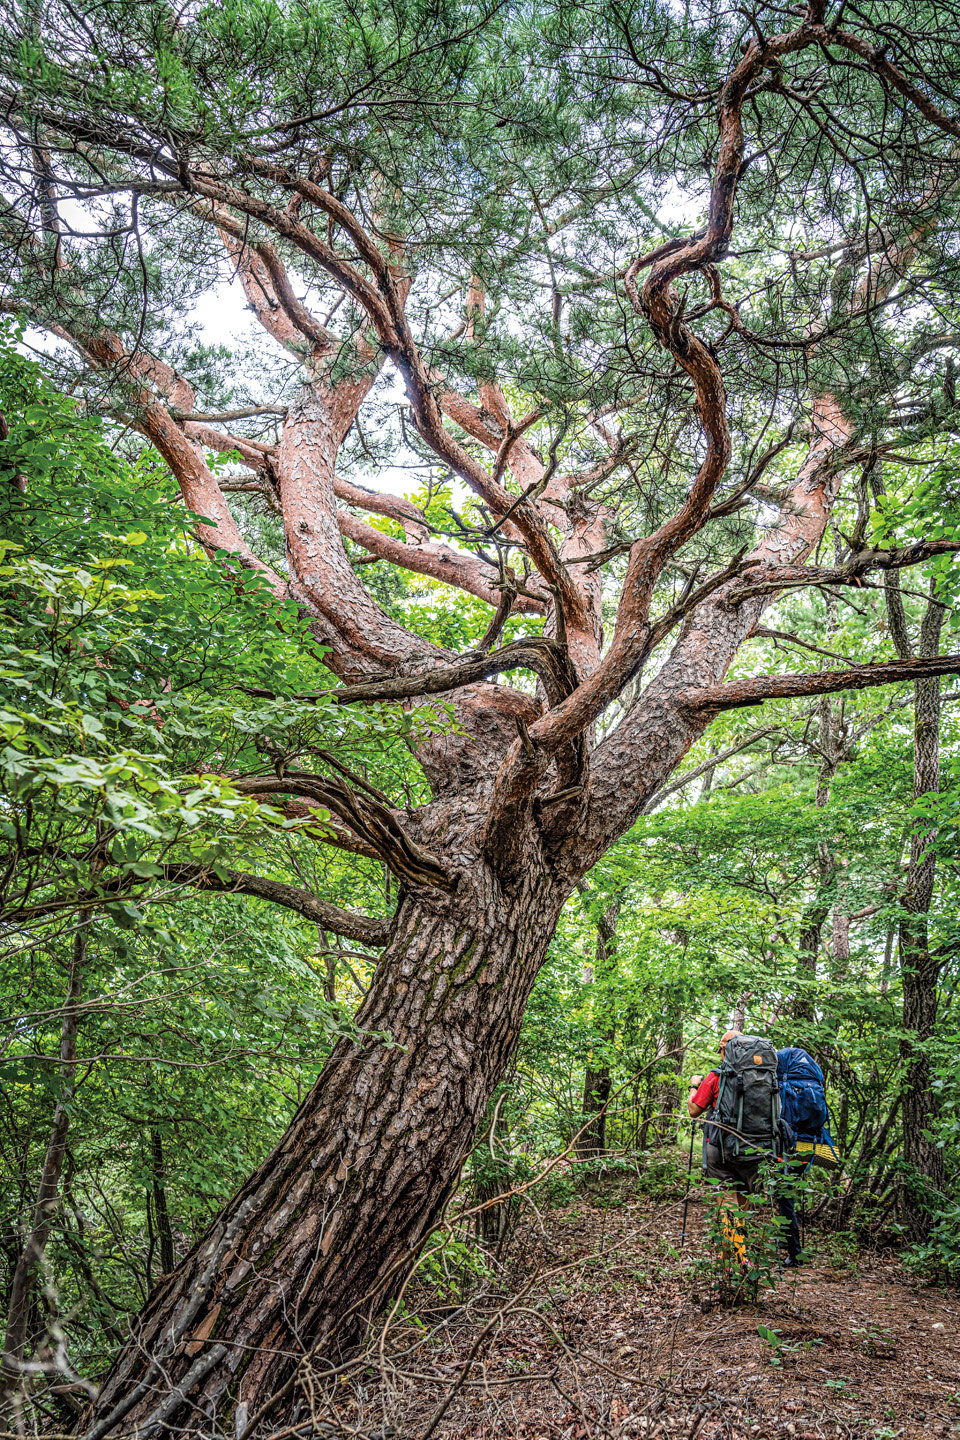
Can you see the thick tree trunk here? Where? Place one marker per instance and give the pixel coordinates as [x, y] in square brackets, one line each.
[312, 1243]
[304, 1252]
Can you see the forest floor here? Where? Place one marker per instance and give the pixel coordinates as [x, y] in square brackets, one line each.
[596, 1326]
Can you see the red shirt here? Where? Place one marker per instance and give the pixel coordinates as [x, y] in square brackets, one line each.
[706, 1096]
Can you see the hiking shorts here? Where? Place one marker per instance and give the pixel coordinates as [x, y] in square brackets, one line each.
[740, 1175]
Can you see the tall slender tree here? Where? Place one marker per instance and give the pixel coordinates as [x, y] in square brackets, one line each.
[919, 966]
[466, 197]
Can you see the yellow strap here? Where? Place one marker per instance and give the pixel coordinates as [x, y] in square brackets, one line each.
[817, 1154]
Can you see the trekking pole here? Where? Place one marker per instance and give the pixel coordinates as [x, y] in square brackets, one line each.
[686, 1193]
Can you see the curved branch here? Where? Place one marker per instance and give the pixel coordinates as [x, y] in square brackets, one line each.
[525, 765]
[547, 658]
[787, 577]
[422, 554]
[365, 929]
[267, 287]
[712, 699]
[197, 483]
[669, 262]
[440, 562]
[395, 507]
[253, 453]
[373, 822]
[877, 61]
[383, 304]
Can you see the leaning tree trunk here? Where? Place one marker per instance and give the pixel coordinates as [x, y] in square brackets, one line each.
[299, 1259]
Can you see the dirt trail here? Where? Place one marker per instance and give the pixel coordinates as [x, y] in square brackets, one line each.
[611, 1340]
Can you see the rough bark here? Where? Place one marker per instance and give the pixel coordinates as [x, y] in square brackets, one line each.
[307, 1249]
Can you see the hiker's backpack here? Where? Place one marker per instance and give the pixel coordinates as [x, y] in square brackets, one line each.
[804, 1104]
[802, 1096]
[746, 1118]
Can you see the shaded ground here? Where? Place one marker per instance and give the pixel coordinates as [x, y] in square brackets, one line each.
[595, 1326]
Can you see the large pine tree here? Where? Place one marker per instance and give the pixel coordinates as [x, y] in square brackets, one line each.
[657, 419]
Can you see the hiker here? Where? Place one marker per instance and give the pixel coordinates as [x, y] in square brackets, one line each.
[743, 1098]
[740, 1172]
[805, 1111]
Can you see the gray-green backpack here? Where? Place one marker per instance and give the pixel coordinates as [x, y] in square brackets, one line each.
[746, 1117]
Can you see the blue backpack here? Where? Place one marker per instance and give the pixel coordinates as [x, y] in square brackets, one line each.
[802, 1096]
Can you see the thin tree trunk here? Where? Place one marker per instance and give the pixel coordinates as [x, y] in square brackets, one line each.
[812, 921]
[596, 1093]
[919, 969]
[709, 773]
[32, 1255]
[738, 1020]
[887, 959]
[330, 967]
[841, 943]
[668, 1099]
[808, 950]
[325, 1228]
[597, 1081]
[160, 1208]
